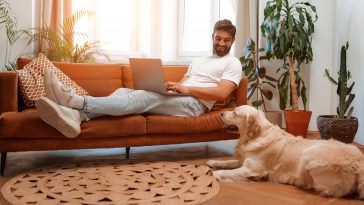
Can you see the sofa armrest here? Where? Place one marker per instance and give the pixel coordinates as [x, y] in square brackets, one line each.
[8, 91]
[241, 92]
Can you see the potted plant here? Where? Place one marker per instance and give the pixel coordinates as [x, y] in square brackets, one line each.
[342, 126]
[288, 29]
[259, 80]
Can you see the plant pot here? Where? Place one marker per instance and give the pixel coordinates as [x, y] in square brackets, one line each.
[343, 130]
[297, 121]
[275, 117]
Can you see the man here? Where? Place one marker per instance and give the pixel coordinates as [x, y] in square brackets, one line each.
[207, 80]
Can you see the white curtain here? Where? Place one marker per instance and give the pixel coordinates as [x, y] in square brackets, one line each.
[53, 12]
[246, 24]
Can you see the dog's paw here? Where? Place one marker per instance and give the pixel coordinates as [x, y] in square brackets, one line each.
[220, 176]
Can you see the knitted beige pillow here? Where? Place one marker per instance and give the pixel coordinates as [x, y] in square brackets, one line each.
[31, 82]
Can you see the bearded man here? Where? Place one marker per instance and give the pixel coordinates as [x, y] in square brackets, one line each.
[208, 79]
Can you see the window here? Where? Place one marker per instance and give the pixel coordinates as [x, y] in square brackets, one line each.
[148, 28]
[196, 23]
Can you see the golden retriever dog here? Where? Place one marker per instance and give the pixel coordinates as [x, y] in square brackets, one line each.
[266, 152]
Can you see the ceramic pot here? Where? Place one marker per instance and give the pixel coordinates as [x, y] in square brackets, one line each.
[297, 121]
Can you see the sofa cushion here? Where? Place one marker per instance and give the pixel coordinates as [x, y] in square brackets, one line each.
[31, 80]
[96, 78]
[208, 122]
[27, 124]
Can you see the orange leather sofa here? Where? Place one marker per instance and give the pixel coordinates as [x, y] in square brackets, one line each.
[21, 129]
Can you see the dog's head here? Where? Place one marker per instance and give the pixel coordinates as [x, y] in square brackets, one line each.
[248, 119]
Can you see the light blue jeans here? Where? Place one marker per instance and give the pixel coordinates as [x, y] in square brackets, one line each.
[125, 101]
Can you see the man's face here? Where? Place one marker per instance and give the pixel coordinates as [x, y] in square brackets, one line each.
[222, 42]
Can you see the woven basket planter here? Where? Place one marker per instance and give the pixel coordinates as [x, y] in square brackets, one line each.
[343, 130]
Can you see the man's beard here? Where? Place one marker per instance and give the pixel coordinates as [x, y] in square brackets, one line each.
[223, 52]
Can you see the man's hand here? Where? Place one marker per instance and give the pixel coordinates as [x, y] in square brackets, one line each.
[176, 87]
[221, 92]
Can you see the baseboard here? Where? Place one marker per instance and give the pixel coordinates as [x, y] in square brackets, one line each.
[316, 135]
[358, 145]
[313, 134]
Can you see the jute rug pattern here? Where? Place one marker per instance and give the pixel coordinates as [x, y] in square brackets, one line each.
[110, 182]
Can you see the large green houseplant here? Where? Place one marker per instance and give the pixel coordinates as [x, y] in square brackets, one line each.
[8, 24]
[288, 29]
[342, 126]
[60, 45]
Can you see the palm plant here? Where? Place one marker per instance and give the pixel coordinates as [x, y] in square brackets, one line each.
[288, 30]
[8, 21]
[60, 45]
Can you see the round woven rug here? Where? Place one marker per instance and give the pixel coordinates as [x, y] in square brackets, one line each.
[113, 183]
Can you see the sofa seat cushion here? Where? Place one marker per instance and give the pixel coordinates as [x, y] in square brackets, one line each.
[27, 124]
[208, 122]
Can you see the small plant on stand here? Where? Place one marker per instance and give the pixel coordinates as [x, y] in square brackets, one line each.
[256, 75]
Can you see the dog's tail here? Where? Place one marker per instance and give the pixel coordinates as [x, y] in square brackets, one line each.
[361, 180]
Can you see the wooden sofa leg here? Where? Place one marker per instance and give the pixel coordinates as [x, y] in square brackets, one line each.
[3, 160]
[127, 150]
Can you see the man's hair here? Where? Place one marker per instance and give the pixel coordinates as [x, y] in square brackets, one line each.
[225, 25]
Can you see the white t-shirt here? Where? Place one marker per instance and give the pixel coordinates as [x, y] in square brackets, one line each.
[210, 70]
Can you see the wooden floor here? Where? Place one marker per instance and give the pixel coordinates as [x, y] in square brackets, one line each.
[257, 193]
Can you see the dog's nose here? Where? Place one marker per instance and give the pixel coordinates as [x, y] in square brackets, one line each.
[222, 114]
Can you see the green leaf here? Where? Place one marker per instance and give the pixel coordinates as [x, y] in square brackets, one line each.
[304, 97]
[283, 90]
[270, 78]
[269, 83]
[251, 91]
[261, 72]
[252, 78]
[349, 101]
[267, 94]
[350, 112]
[327, 74]
[348, 91]
[257, 103]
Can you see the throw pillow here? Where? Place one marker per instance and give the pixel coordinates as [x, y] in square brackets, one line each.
[31, 82]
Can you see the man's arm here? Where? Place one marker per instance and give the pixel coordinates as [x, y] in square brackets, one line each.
[221, 92]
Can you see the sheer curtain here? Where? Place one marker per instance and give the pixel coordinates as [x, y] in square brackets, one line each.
[246, 24]
[52, 14]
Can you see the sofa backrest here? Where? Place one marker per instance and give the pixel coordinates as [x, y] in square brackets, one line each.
[103, 79]
[96, 79]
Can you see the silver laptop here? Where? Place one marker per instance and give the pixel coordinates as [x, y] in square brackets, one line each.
[148, 75]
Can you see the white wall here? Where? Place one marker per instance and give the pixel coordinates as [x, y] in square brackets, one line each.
[24, 12]
[349, 27]
[322, 92]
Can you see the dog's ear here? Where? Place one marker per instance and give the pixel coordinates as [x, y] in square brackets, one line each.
[253, 126]
[250, 128]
